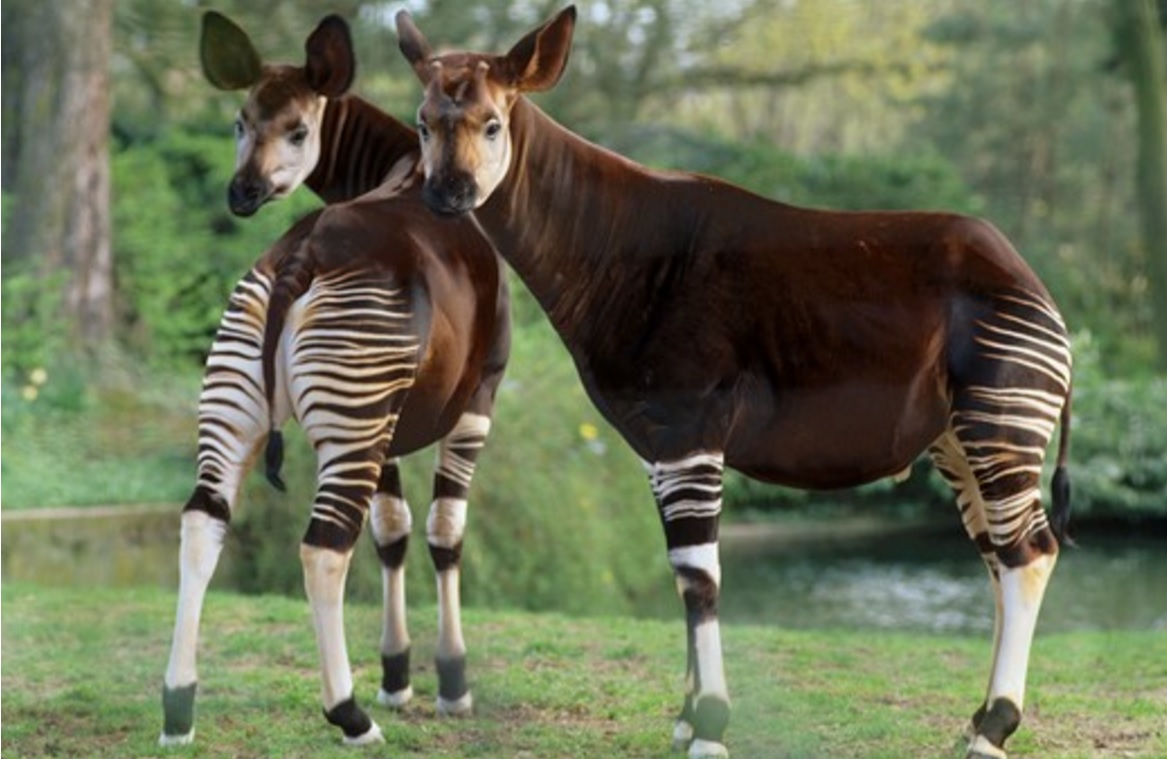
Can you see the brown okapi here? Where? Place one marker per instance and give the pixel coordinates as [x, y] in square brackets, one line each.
[301, 124]
[811, 348]
[382, 330]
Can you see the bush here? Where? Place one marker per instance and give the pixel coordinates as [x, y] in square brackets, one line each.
[178, 251]
[1118, 451]
[886, 182]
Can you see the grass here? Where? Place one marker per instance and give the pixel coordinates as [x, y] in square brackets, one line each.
[82, 674]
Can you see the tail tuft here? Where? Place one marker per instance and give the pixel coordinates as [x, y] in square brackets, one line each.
[274, 460]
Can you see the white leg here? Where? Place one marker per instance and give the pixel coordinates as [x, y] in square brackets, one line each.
[325, 571]
[1022, 590]
[201, 544]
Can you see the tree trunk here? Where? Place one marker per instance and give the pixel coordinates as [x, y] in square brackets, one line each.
[56, 151]
[1141, 47]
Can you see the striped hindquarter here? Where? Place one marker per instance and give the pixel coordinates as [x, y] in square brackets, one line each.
[992, 454]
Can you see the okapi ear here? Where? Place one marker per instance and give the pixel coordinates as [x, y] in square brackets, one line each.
[331, 63]
[228, 58]
[413, 45]
[537, 61]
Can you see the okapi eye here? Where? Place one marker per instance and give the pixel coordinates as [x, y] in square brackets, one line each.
[423, 131]
[298, 136]
[239, 129]
[493, 128]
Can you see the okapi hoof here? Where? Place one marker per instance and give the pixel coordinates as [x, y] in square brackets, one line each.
[458, 707]
[167, 741]
[373, 735]
[981, 748]
[702, 749]
[397, 699]
[682, 735]
[178, 715]
[358, 729]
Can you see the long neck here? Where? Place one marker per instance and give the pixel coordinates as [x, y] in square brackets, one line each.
[566, 218]
[359, 145]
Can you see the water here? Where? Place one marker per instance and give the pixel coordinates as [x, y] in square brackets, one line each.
[849, 574]
[932, 580]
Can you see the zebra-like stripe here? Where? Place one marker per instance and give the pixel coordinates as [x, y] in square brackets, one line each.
[458, 456]
[1003, 431]
[233, 412]
[1027, 331]
[688, 488]
[351, 352]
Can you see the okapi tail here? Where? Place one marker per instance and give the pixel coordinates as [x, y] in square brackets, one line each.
[1060, 486]
[292, 279]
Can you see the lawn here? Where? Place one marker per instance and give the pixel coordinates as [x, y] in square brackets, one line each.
[82, 674]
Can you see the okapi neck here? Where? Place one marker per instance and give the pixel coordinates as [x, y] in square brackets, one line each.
[359, 146]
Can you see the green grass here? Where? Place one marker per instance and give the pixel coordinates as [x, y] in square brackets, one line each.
[83, 668]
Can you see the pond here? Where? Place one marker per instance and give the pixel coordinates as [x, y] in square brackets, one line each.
[846, 574]
[927, 579]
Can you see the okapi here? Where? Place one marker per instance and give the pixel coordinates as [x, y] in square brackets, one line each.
[810, 348]
[300, 124]
[382, 330]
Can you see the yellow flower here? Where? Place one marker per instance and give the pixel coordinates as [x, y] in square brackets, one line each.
[589, 431]
[38, 376]
[29, 392]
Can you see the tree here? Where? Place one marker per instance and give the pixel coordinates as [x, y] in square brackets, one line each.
[1139, 38]
[56, 155]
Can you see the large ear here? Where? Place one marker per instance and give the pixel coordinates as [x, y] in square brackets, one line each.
[331, 63]
[537, 61]
[228, 58]
[413, 45]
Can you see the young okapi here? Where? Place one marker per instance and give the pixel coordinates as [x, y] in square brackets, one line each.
[716, 328]
[299, 124]
[382, 330]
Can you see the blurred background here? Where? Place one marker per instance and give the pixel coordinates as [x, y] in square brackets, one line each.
[1046, 117]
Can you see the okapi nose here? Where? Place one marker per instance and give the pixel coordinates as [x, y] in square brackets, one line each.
[244, 197]
[451, 194]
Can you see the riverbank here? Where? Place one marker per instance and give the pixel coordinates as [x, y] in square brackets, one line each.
[82, 672]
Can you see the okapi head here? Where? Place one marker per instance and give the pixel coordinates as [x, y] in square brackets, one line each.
[277, 131]
[464, 119]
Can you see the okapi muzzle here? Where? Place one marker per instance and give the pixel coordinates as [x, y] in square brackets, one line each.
[247, 193]
[450, 193]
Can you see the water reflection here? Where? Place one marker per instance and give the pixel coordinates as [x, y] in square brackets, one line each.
[931, 580]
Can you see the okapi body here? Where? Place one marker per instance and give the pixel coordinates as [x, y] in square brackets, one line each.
[382, 330]
[811, 348]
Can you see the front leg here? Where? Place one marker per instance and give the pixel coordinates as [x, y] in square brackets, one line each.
[688, 495]
[391, 522]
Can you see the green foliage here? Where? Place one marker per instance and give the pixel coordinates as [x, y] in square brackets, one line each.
[179, 252]
[855, 182]
[1119, 436]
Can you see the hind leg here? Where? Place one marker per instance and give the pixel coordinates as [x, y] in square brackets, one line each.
[457, 456]
[998, 443]
[233, 421]
[392, 522]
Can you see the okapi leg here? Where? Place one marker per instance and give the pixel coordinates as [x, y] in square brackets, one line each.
[445, 526]
[392, 522]
[342, 502]
[233, 420]
[202, 542]
[1003, 434]
[688, 495]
